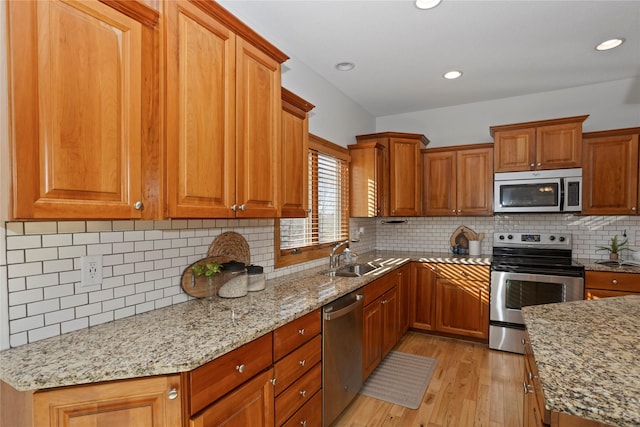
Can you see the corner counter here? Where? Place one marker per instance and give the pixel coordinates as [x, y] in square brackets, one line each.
[586, 353]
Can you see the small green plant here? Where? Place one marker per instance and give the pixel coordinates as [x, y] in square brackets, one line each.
[208, 269]
[615, 246]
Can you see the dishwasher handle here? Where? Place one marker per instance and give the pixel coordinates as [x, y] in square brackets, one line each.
[332, 315]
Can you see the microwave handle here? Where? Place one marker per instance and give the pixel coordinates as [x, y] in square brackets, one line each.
[562, 195]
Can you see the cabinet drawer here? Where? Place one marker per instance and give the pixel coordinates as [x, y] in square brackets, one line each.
[464, 272]
[378, 287]
[290, 336]
[628, 282]
[300, 392]
[291, 367]
[213, 380]
[310, 415]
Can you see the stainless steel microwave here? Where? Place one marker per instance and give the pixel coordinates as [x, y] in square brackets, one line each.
[557, 190]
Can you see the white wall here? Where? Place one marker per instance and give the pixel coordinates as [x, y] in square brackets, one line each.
[336, 117]
[610, 105]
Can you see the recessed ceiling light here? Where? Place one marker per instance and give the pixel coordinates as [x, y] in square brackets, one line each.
[450, 75]
[345, 66]
[427, 4]
[609, 44]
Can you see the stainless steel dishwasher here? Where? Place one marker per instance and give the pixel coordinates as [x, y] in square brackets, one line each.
[341, 354]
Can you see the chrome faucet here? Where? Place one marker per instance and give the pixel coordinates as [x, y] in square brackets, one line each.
[334, 260]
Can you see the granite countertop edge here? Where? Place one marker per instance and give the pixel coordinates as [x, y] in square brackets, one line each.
[182, 337]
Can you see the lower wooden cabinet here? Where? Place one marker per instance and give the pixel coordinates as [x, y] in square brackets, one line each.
[404, 302]
[145, 402]
[251, 405]
[603, 284]
[451, 298]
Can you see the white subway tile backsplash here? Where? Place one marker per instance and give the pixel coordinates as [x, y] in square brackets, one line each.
[41, 254]
[57, 266]
[42, 333]
[124, 312]
[14, 257]
[42, 280]
[59, 316]
[88, 309]
[18, 311]
[103, 317]
[55, 240]
[26, 323]
[74, 300]
[58, 291]
[74, 325]
[18, 339]
[40, 227]
[25, 297]
[24, 242]
[42, 307]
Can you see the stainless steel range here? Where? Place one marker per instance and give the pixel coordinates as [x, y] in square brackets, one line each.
[528, 269]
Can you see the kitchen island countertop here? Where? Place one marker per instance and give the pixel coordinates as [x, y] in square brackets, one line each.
[184, 336]
[587, 354]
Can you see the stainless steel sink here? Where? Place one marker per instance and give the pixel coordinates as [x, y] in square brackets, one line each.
[354, 270]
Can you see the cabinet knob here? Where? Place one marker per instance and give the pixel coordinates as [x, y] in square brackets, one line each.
[453, 211]
[243, 207]
[459, 211]
[234, 208]
[527, 388]
[303, 393]
[532, 165]
[633, 209]
[240, 368]
[614, 281]
[303, 423]
[303, 362]
[173, 394]
[138, 205]
[462, 273]
[273, 381]
[539, 164]
[301, 331]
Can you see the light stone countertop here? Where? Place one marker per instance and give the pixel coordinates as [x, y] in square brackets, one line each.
[587, 354]
[184, 336]
[591, 265]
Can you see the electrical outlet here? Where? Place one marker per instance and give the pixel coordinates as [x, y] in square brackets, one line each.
[91, 270]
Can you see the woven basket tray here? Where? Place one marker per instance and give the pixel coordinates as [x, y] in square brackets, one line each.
[231, 245]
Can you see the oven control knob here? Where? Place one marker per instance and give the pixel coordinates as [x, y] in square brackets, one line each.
[510, 237]
[501, 237]
[552, 238]
[562, 239]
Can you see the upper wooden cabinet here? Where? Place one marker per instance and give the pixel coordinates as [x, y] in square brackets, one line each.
[545, 144]
[223, 112]
[83, 109]
[610, 172]
[458, 180]
[294, 182]
[385, 174]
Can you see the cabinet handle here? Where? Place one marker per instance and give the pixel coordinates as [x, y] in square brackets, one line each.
[531, 376]
[138, 205]
[303, 362]
[173, 394]
[459, 211]
[523, 341]
[303, 393]
[462, 273]
[526, 388]
[273, 381]
[301, 331]
[614, 281]
[243, 207]
[234, 208]
[240, 368]
[303, 423]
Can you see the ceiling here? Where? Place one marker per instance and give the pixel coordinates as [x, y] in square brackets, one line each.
[504, 48]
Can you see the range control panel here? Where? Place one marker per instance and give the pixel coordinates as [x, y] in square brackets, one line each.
[532, 240]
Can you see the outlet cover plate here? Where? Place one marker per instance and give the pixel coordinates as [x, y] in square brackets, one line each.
[91, 270]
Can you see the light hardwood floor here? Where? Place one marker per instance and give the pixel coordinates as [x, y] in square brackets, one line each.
[471, 386]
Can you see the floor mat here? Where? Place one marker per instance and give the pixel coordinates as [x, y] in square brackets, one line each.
[401, 378]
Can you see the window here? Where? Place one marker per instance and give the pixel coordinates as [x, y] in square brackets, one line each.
[303, 239]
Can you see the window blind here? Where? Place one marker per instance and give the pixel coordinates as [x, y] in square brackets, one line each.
[327, 220]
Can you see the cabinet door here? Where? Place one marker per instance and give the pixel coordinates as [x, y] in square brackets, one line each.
[475, 182]
[390, 320]
[372, 337]
[462, 307]
[294, 178]
[404, 298]
[423, 296]
[148, 402]
[559, 146]
[200, 124]
[366, 179]
[251, 405]
[514, 150]
[439, 183]
[404, 177]
[76, 75]
[610, 175]
[257, 131]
